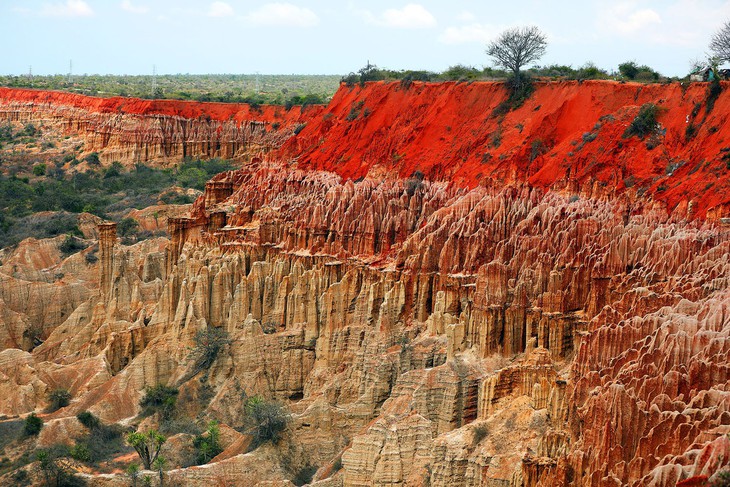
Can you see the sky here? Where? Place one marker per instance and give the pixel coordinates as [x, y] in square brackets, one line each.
[338, 37]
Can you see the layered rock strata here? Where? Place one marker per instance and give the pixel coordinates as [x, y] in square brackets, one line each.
[163, 132]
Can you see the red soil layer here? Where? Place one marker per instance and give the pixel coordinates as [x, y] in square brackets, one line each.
[567, 135]
[186, 109]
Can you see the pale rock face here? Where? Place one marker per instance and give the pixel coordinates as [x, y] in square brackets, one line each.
[40, 289]
[416, 367]
[154, 218]
[60, 431]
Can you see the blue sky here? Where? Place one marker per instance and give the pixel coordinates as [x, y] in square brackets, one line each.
[336, 37]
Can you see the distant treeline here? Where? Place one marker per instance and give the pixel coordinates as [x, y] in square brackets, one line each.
[626, 71]
[290, 90]
[254, 89]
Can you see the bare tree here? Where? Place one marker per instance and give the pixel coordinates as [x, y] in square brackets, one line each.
[517, 47]
[720, 43]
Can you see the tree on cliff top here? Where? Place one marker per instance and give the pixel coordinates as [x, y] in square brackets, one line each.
[513, 49]
[516, 47]
[720, 43]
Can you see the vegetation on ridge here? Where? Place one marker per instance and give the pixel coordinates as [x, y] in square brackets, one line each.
[230, 88]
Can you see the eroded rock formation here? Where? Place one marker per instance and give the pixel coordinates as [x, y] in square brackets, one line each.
[430, 330]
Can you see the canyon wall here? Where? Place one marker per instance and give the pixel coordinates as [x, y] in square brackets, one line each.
[430, 315]
[130, 130]
[567, 135]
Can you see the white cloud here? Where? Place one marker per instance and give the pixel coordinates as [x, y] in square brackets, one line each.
[466, 16]
[283, 14]
[628, 21]
[627, 18]
[411, 16]
[220, 9]
[135, 9]
[685, 23]
[467, 34]
[71, 8]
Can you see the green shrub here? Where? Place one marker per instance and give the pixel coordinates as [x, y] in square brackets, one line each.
[159, 398]
[713, 92]
[480, 432]
[10, 430]
[57, 399]
[93, 159]
[21, 478]
[127, 227]
[519, 89]
[589, 71]
[305, 475]
[355, 110]
[114, 171]
[39, 169]
[30, 130]
[369, 72]
[88, 419]
[80, 452]
[265, 420]
[71, 245]
[644, 123]
[632, 71]
[723, 478]
[628, 69]
[461, 72]
[208, 444]
[56, 469]
[101, 442]
[6, 133]
[175, 198]
[32, 425]
[537, 149]
[132, 472]
[495, 139]
[207, 343]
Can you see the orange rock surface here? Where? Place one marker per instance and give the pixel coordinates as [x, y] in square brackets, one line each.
[567, 135]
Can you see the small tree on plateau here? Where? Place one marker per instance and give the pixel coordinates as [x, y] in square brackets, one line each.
[516, 47]
[720, 43]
